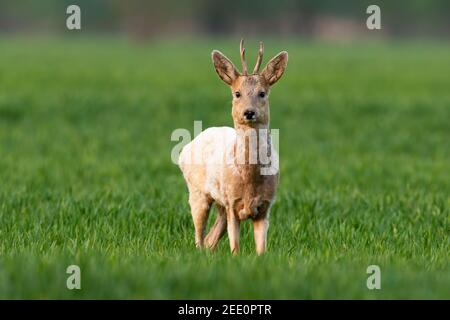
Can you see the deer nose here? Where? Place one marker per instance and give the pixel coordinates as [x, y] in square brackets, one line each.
[249, 115]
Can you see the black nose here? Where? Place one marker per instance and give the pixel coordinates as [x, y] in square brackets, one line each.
[249, 115]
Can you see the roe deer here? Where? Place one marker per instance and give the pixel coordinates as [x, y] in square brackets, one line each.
[216, 164]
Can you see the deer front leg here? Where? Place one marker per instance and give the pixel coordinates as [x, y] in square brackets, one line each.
[233, 226]
[260, 227]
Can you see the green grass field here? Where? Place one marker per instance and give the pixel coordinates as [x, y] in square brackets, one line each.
[86, 176]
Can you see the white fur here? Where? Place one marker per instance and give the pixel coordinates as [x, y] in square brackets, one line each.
[212, 149]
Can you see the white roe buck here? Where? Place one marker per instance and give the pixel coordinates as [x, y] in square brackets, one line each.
[219, 165]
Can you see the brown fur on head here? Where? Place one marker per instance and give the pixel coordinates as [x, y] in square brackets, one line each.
[250, 92]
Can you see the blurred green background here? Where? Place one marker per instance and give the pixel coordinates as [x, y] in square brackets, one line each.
[85, 172]
[158, 19]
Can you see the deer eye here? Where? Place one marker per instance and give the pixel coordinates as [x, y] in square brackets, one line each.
[237, 94]
[262, 94]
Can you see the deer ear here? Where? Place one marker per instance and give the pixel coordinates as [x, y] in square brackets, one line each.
[224, 67]
[275, 68]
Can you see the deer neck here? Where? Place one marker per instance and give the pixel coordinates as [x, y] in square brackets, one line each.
[251, 143]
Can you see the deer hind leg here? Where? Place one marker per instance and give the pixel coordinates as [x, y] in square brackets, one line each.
[200, 206]
[218, 229]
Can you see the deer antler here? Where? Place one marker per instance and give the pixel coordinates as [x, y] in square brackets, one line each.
[260, 56]
[244, 64]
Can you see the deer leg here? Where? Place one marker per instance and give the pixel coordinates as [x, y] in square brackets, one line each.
[233, 226]
[260, 227]
[218, 229]
[200, 206]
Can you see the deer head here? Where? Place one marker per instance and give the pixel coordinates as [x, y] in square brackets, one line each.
[250, 91]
